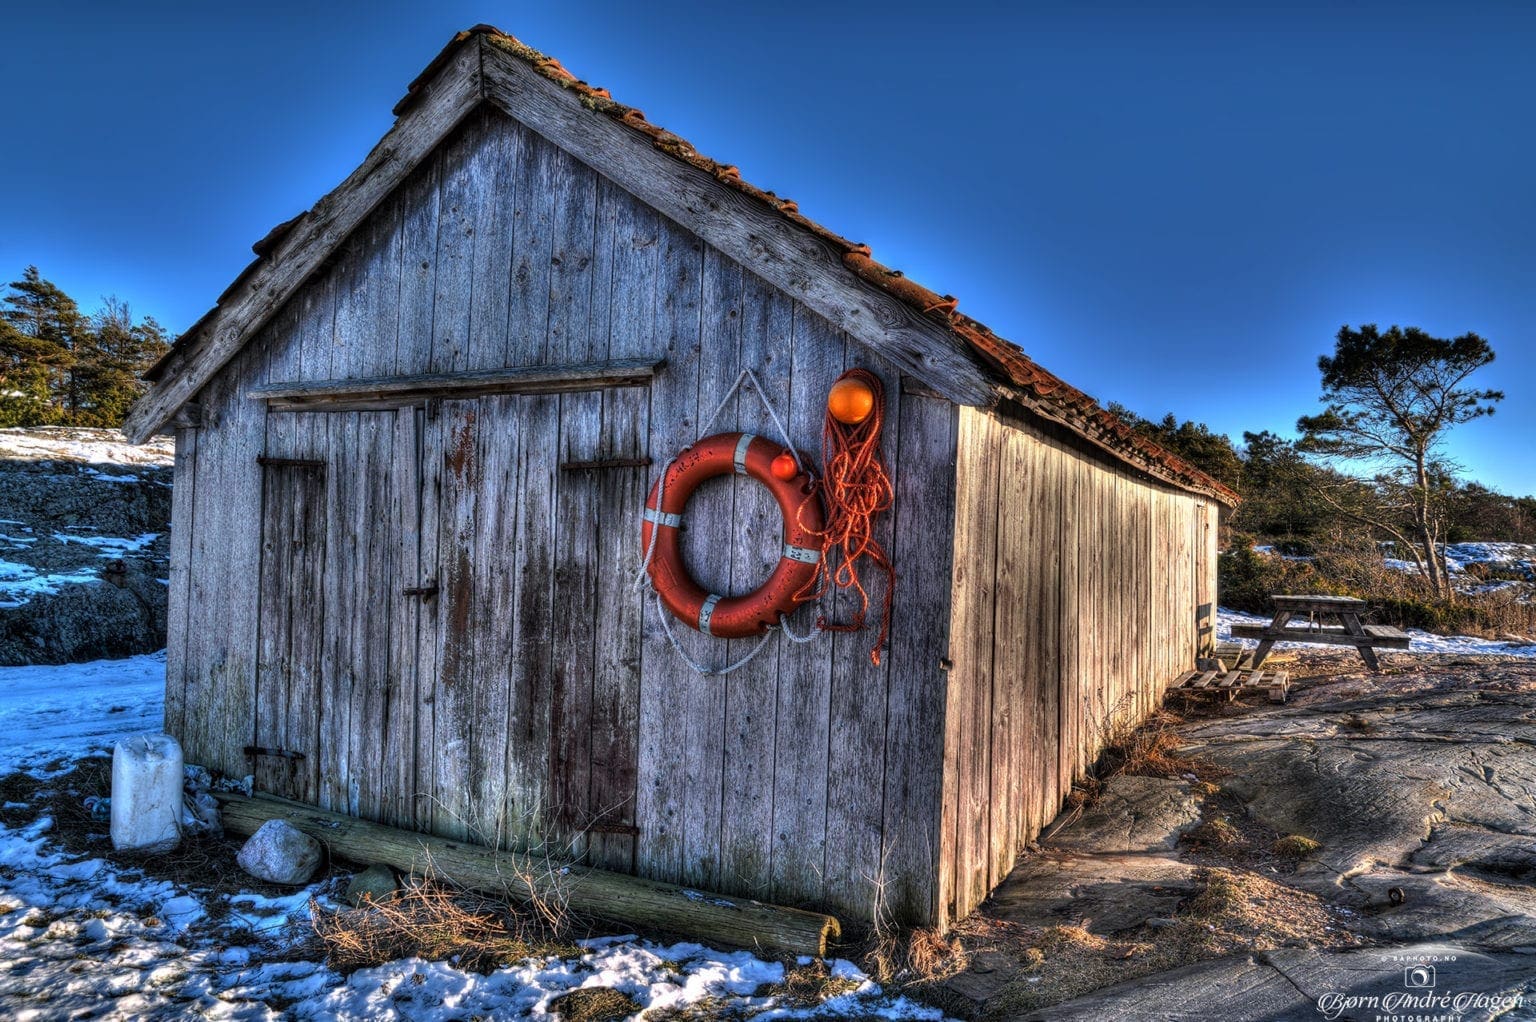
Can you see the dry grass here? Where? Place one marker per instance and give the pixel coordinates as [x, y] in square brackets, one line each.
[1152, 748]
[1294, 846]
[913, 957]
[594, 1004]
[706, 1009]
[806, 986]
[430, 920]
[1235, 911]
[1216, 832]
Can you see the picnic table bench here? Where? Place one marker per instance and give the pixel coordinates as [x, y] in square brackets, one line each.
[1334, 620]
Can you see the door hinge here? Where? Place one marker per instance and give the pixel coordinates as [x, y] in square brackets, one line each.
[252, 751]
[423, 592]
[271, 462]
[583, 466]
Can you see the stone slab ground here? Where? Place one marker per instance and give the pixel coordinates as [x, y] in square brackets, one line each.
[1168, 897]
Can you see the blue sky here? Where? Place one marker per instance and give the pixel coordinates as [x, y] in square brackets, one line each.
[1174, 208]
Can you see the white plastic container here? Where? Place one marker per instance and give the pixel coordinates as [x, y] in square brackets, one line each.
[146, 794]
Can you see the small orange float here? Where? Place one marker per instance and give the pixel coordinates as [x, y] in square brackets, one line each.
[850, 400]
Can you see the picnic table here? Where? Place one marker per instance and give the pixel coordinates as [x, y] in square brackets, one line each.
[1334, 620]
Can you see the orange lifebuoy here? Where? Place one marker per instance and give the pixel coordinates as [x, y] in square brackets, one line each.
[792, 582]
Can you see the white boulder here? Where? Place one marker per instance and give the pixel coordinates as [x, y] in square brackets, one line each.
[280, 853]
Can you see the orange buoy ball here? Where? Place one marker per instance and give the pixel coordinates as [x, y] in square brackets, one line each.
[850, 401]
[784, 467]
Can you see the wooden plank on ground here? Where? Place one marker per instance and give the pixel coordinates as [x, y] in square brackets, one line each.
[656, 906]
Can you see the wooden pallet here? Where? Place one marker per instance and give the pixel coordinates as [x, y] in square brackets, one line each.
[1227, 684]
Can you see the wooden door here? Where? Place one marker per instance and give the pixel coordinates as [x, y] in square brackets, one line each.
[538, 631]
[449, 635]
[341, 588]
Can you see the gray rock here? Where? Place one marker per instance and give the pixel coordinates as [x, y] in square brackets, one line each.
[280, 853]
[1226, 990]
[114, 603]
[1442, 906]
[1377, 797]
[1307, 983]
[1132, 814]
[1419, 789]
[1478, 851]
[376, 884]
[1108, 893]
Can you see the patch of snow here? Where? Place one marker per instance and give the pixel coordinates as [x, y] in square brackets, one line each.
[84, 937]
[1419, 641]
[110, 546]
[1514, 556]
[98, 446]
[20, 582]
[63, 711]
[111, 477]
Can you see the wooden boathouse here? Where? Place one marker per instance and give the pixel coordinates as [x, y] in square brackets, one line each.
[414, 439]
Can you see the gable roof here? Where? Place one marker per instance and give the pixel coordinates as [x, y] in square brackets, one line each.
[919, 330]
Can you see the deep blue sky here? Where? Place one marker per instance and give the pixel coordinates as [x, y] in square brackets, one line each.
[1174, 209]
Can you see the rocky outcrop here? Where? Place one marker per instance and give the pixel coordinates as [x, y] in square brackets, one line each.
[84, 545]
[1414, 792]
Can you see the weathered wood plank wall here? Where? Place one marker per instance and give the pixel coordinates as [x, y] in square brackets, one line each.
[1076, 587]
[536, 698]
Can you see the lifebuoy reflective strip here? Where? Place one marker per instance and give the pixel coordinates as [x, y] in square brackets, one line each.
[732, 617]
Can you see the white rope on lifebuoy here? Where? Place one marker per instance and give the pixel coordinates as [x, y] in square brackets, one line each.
[642, 578]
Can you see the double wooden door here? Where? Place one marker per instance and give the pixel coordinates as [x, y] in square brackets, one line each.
[448, 637]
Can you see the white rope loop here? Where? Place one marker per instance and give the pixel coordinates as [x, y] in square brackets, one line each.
[643, 579]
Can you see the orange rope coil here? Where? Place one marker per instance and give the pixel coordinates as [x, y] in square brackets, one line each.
[856, 487]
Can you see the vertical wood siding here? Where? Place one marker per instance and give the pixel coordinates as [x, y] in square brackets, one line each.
[536, 698]
[1076, 589]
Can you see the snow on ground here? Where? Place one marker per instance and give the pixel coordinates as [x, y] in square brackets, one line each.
[1419, 641]
[96, 446]
[85, 937]
[54, 712]
[20, 582]
[111, 546]
[1515, 556]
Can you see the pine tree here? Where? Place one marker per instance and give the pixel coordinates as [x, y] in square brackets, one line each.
[1389, 399]
[58, 366]
[110, 360]
[40, 311]
[25, 397]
